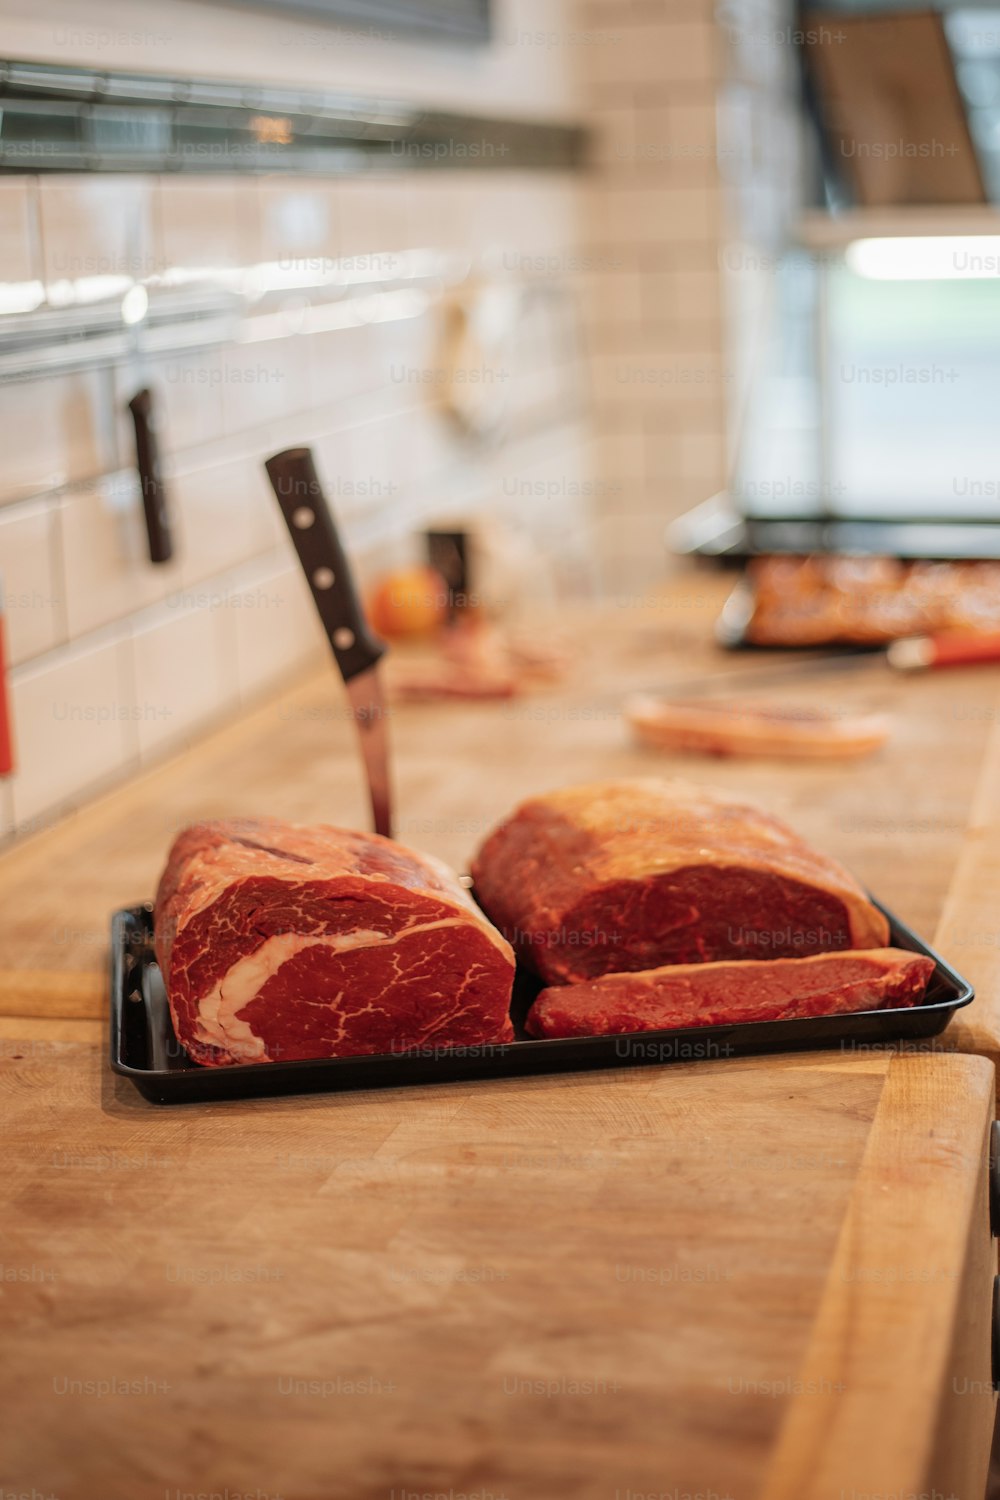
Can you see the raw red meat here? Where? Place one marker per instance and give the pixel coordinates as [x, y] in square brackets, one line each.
[627, 875]
[279, 942]
[722, 994]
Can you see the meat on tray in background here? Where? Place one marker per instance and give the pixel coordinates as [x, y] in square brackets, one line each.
[866, 601]
[279, 942]
[720, 994]
[628, 875]
[477, 621]
[475, 658]
[781, 732]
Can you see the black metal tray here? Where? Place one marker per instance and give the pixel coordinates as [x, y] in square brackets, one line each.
[145, 1050]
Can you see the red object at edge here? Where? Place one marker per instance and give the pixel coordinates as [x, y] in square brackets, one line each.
[960, 650]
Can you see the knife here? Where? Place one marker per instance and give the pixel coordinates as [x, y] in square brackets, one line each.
[357, 651]
[147, 459]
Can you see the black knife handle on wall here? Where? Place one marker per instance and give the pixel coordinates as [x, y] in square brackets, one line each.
[311, 526]
[147, 462]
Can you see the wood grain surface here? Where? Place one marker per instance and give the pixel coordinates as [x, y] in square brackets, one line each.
[604, 1285]
[969, 929]
[849, 1440]
[742, 1280]
[900, 819]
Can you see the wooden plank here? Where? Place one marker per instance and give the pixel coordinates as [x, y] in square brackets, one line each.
[914, 1243]
[53, 992]
[34, 1032]
[969, 930]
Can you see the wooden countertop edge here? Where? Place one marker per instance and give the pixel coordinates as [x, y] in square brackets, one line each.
[968, 933]
[891, 1301]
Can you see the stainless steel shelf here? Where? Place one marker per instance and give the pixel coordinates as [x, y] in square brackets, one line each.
[62, 119]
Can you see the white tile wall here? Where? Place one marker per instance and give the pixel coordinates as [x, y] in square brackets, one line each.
[187, 388]
[639, 55]
[683, 295]
[263, 381]
[33, 593]
[637, 215]
[300, 220]
[227, 515]
[54, 432]
[106, 572]
[74, 726]
[654, 223]
[184, 672]
[95, 226]
[117, 661]
[18, 258]
[343, 365]
[208, 223]
[277, 625]
[376, 217]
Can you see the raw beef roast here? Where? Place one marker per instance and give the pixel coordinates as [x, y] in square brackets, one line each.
[722, 994]
[627, 875]
[279, 942]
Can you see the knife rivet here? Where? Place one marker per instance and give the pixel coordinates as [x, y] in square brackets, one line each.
[343, 638]
[323, 578]
[303, 517]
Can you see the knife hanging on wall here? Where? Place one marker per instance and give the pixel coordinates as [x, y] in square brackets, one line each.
[147, 461]
[357, 651]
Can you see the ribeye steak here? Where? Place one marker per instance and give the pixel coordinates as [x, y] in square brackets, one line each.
[279, 942]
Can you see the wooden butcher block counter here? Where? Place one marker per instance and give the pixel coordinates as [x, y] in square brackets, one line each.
[765, 1277]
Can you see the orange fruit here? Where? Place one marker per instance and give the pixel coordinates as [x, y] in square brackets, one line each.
[408, 602]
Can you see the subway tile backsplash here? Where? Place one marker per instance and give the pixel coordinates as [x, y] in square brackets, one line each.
[615, 388]
[209, 223]
[105, 576]
[54, 432]
[173, 696]
[94, 226]
[115, 662]
[35, 601]
[75, 720]
[19, 261]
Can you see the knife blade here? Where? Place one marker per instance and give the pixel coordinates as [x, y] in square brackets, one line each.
[356, 649]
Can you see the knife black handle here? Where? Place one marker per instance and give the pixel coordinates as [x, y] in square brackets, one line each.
[147, 462]
[311, 526]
